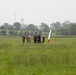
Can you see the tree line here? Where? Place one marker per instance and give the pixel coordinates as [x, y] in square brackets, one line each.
[65, 28]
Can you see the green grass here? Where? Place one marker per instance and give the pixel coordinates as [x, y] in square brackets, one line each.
[55, 58]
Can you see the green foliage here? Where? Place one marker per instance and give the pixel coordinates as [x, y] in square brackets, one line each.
[16, 26]
[3, 32]
[2, 27]
[73, 29]
[26, 32]
[0, 32]
[66, 28]
[44, 27]
[56, 26]
[6, 26]
[55, 58]
[11, 32]
[63, 31]
[21, 33]
[16, 33]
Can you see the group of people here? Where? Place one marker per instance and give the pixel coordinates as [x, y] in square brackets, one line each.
[28, 38]
[37, 38]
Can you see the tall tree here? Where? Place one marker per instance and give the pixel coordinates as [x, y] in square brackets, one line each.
[63, 31]
[3, 32]
[73, 29]
[44, 27]
[31, 27]
[56, 27]
[11, 32]
[65, 23]
[16, 26]
[2, 27]
[6, 26]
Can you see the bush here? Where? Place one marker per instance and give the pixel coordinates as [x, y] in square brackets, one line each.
[11, 32]
[3, 32]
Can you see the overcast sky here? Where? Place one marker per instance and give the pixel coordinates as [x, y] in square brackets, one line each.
[37, 11]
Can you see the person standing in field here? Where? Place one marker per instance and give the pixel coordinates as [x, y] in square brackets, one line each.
[43, 38]
[23, 38]
[39, 38]
[28, 38]
[35, 38]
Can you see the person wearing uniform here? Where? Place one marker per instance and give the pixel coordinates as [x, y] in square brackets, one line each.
[23, 38]
[43, 39]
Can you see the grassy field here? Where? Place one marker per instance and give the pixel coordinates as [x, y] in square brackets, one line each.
[55, 58]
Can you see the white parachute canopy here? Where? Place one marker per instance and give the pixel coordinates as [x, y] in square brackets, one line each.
[49, 35]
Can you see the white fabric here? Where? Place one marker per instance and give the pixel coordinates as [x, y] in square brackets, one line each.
[49, 34]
